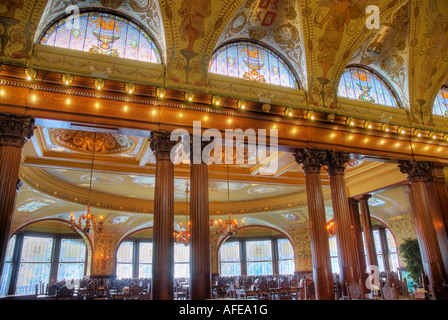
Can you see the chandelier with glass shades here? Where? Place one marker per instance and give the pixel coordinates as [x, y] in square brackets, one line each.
[90, 220]
[229, 227]
[183, 236]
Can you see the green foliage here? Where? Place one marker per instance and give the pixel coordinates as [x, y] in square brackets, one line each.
[410, 252]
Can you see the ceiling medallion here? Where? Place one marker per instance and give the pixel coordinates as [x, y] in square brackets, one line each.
[83, 141]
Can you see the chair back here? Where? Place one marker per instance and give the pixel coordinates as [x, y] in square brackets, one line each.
[354, 291]
[389, 292]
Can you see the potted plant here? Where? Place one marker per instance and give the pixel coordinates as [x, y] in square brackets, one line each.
[410, 252]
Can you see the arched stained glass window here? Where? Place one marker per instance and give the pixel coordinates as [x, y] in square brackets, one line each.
[363, 85]
[252, 61]
[440, 106]
[103, 33]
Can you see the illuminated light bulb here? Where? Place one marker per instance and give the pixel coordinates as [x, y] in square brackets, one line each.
[432, 135]
[288, 112]
[368, 124]
[129, 87]
[30, 74]
[417, 133]
[216, 100]
[67, 79]
[445, 136]
[161, 92]
[241, 104]
[401, 130]
[189, 96]
[310, 115]
[385, 127]
[99, 83]
[350, 121]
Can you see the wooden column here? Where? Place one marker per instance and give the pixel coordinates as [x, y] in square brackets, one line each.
[342, 218]
[372, 259]
[15, 130]
[436, 202]
[441, 190]
[312, 160]
[163, 240]
[200, 265]
[429, 246]
[357, 237]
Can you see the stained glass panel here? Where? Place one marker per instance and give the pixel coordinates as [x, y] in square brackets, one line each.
[259, 268]
[259, 250]
[72, 250]
[125, 256]
[440, 106]
[105, 34]
[251, 61]
[230, 269]
[391, 245]
[181, 260]
[145, 252]
[70, 271]
[362, 85]
[230, 251]
[376, 238]
[36, 249]
[6, 278]
[285, 250]
[286, 267]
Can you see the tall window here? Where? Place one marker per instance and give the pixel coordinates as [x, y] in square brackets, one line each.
[363, 85]
[440, 106]
[181, 260]
[145, 260]
[230, 257]
[334, 254]
[72, 259]
[251, 61]
[35, 263]
[285, 257]
[125, 259]
[256, 257]
[7, 268]
[392, 252]
[105, 34]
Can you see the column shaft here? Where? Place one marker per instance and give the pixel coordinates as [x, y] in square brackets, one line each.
[372, 259]
[163, 240]
[322, 272]
[359, 245]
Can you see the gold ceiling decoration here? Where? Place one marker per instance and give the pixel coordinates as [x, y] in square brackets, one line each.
[83, 141]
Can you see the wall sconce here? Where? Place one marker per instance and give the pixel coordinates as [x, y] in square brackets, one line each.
[417, 133]
[266, 107]
[401, 130]
[67, 79]
[99, 83]
[311, 115]
[189, 96]
[216, 100]
[288, 111]
[350, 121]
[30, 74]
[129, 87]
[241, 104]
[385, 127]
[368, 124]
[161, 92]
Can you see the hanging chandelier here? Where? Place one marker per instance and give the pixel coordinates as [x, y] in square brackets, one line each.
[330, 228]
[229, 227]
[183, 236]
[90, 219]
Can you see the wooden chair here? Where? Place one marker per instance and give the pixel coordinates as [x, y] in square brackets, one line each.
[262, 290]
[65, 293]
[310, 293]
[135, 292]
[294, 287]
[389, 292]
[354, 291]
[284, 290]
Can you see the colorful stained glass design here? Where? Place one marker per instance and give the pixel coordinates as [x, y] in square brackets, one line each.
[440, 106]
[105, 34]
[35, 263]
[392, 251]
[250, 61]
[125, 256]
[72, 259]
[259, 257]
[229, 254]
[334, 254]
[362, 85]
[286, 257]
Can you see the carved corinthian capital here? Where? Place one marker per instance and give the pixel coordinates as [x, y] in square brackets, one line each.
[336, 161]
[15, 130]
[161, 144]
[312, 159]
[417, 171]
